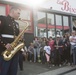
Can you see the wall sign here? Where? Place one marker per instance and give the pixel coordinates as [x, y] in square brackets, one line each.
[68, 6]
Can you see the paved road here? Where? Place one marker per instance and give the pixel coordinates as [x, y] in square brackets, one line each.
[43, 69]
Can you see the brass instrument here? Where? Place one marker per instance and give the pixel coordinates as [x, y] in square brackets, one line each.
[8, 54]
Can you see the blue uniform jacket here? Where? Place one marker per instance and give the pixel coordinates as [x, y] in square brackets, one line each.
[8, 26]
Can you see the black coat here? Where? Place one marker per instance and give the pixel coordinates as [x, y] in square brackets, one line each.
[60, 43]
[8, 26]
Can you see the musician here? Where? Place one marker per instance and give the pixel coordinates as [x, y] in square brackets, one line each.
[9, 28]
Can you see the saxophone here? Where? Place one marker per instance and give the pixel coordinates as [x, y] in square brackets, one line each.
[8, 54]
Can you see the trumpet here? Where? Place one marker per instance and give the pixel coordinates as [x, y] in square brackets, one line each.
[8, 54]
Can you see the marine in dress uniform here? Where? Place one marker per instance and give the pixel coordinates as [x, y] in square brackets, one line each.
[9, 28]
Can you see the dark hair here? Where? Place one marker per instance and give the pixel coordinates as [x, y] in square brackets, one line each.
[35, 37]
[47, 43]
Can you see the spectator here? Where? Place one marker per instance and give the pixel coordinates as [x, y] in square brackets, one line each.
[66, 53]
[42, 53]
[51, 44]
[36, 49]
[58, 44]
[31, 52]
[47, 50]
[72, 39]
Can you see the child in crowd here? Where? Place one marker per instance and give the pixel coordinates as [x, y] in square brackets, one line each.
[47, 50]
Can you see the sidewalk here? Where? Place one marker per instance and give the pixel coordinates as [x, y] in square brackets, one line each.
[43, 69]
[68, 70]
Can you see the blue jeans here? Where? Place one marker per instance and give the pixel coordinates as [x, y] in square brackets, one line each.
[36, 53]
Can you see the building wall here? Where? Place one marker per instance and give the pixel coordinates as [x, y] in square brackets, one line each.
[56, 17]
[52, 24]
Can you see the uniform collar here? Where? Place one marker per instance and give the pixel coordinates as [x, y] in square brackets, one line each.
[12, 19]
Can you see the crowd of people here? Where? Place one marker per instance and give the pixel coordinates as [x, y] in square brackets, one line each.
[54, 52]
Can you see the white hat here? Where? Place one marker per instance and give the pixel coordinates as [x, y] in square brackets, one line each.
[58, 36]
[51, 36]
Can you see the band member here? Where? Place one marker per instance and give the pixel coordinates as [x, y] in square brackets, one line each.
[9, 28]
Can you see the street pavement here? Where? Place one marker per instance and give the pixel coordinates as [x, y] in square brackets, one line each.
[31, 68]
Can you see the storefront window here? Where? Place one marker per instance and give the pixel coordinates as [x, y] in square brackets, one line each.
[58, 20]
[42, 32]
[48, 27]
[66, 24]
[25, 15]
[51, 26]
[51, 32]
[50, 19]
[41, 27]
[73, 23]
[59, 28]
